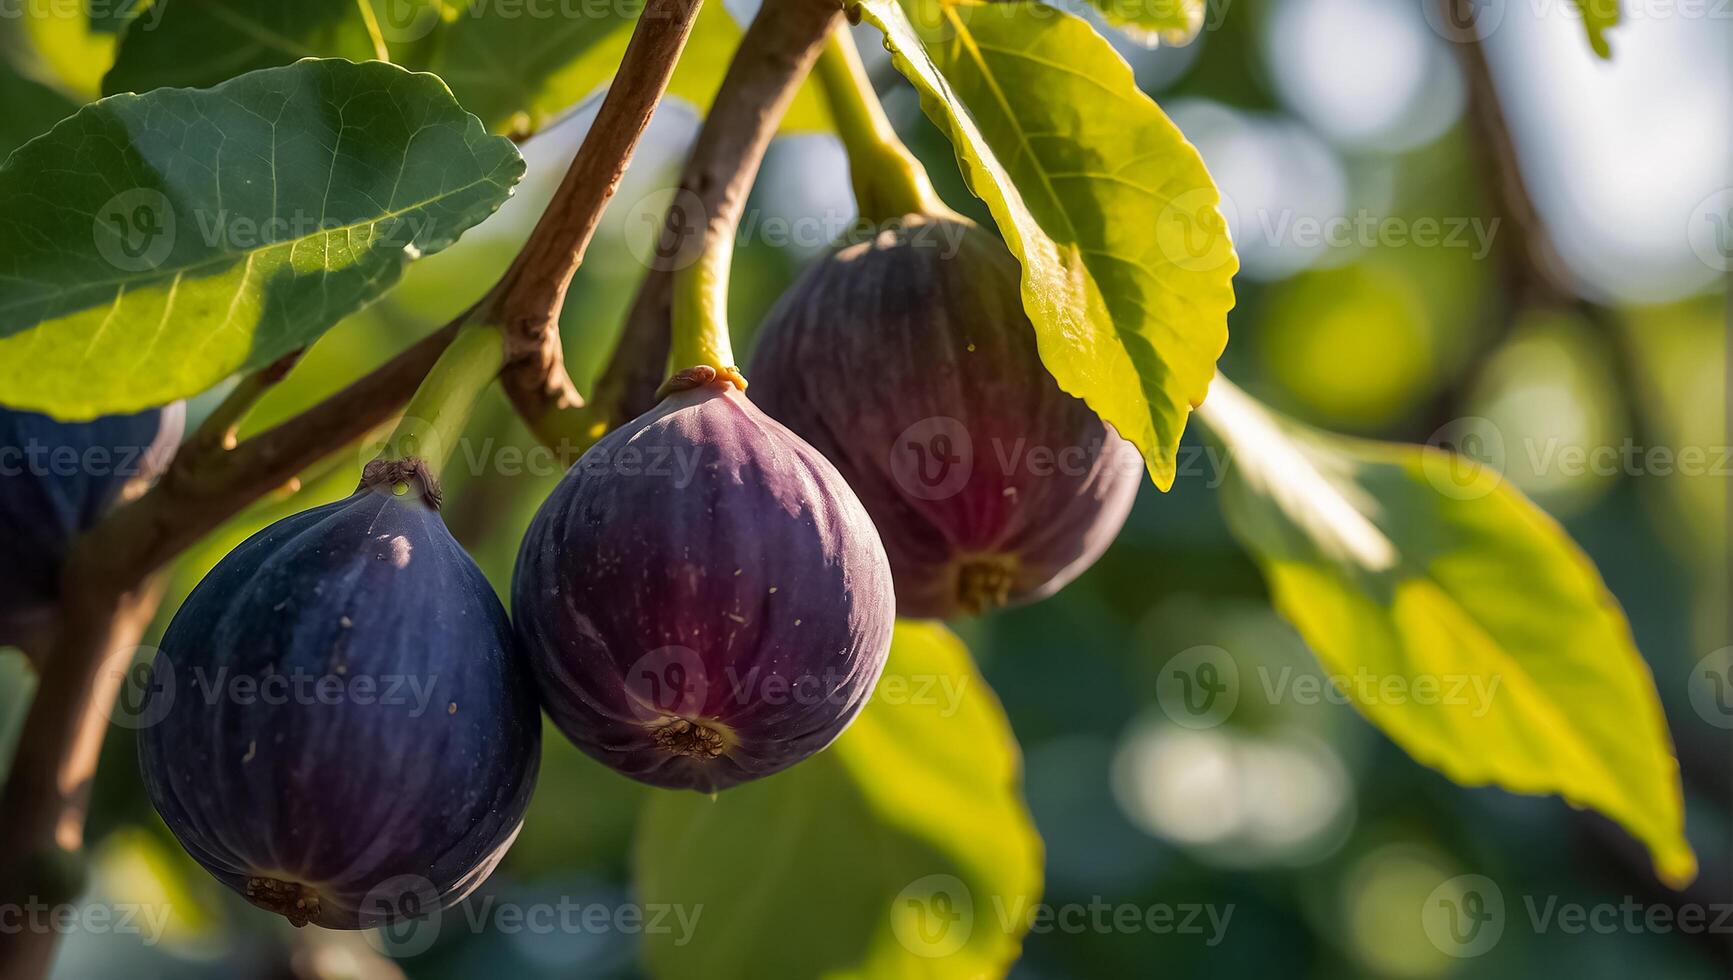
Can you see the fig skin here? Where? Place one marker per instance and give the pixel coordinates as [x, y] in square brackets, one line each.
[895, 355]
[702, 598]
[57, 479]
[305, 803]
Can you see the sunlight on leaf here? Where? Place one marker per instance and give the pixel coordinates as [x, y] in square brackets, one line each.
[902, 850]
[1410, 562]
[1154, 22]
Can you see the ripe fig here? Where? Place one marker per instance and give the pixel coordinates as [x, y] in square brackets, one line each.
[702, 598]
[339, 724]
[56, 480]
[909, 362]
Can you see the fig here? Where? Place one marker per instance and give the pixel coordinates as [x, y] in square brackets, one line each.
[339, 724]
[702, 598]
[56, 480]
[908, 361]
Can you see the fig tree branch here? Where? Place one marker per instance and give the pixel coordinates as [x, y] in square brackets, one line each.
[1531, 272]
[529, 297]
[774, 58]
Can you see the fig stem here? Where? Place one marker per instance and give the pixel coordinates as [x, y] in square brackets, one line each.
[434, 420]
[777, 52]
[888, 180]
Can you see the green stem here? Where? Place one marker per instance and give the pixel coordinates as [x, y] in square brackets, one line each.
[701, 310]
[888, 181]
[435, 417]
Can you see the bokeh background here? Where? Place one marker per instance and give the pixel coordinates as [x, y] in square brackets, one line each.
[1317, 831]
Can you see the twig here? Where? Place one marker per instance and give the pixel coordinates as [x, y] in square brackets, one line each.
[529, 297]
[217, 432]
[775, 56]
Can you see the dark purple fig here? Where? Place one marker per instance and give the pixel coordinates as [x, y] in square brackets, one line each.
[339, 724]
[702, 598]
[56, 480]
[909, 362]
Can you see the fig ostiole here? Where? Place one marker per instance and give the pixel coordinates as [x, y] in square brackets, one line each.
[339, 724]
[57, 479]
[909, 361]
[702, 598]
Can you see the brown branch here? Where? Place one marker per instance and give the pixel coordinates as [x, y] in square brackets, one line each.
[529, 297]
[774, 58]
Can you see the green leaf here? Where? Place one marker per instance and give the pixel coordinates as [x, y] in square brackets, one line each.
[1153, 22]
[1598, 17]
[1411, 563]
[903, 850]
[1127, 267]
[151, 245]
[31, 109]
[200, 43]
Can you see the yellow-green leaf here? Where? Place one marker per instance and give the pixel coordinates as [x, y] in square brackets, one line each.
[903, 850]
[1598, 17]
[1153, 22]
[1411, 563]
[1127, 266]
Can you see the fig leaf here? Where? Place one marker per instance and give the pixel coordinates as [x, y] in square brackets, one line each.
[1420, 565]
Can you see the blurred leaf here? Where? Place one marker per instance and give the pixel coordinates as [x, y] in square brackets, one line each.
[200, 43]
[1054, 135]
[1598, 17]
[17, 687]
[902, 850]
[1153, 22]
[1409, 562]
[155, 244]
[521, 73]
[1680, 354]
[31, 110]
[1353, 344]
[64, 49]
